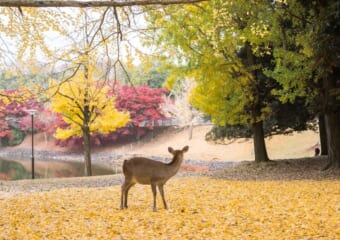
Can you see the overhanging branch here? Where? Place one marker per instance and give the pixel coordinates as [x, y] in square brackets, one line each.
[84, 4]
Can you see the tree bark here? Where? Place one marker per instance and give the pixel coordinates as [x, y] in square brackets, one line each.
[86, 121]
[332, 123]
[333, 140]
[260, 150]
[87, 151]
[84, 4]
[332, 119]
[323, 135]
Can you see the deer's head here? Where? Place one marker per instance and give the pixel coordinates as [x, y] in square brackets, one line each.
[178, 152]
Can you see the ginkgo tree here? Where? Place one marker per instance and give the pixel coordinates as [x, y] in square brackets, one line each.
[204, 41]
[226, 46]
[85, 106]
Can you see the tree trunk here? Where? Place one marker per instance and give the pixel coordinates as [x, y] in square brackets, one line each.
[191, 129]
[333, 140]
[260, 150]
[87, 151]
[332, 120]
[323, 135]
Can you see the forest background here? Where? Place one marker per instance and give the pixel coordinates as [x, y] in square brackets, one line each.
[256, 73]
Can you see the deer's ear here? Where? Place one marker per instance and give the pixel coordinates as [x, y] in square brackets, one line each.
[171, 150]
[185, 149]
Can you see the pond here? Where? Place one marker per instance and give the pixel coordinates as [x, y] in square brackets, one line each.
[16, 169]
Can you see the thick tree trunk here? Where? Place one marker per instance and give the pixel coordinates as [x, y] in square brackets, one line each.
[260, 150]
[332, 120]
[323, 135]
[333, 140]
[87, 151]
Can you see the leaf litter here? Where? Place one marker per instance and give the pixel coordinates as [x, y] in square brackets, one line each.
[199, 208]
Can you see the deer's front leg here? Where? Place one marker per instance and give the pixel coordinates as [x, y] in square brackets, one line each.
[154, 193]
[161, 190]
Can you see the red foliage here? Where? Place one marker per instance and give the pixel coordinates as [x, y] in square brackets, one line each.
[4, 128]
[142, 102]
[144, 105]
[14, 113]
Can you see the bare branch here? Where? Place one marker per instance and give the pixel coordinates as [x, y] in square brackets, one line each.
[64, 81]
[120, 34]
[99, 27]
[85, 4]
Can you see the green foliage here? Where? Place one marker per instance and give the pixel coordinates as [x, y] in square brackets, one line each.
[306, 49]
[153, 76]
[292, 54]
[229, 131]
[17, 136]
[8, 82]
[284, 119]
[292, 72]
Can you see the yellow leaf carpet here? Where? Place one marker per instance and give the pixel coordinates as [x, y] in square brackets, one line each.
[199, 208]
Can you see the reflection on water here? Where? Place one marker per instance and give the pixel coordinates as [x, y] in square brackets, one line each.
[15, 170]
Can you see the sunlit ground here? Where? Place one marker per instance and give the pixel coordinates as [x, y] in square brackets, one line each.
[199, 208]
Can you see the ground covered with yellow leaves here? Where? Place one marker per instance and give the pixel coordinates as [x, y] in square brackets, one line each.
[199, 208]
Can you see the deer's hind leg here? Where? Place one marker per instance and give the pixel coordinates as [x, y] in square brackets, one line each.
[124, 193]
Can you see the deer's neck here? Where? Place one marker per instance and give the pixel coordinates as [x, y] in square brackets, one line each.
[176, 162]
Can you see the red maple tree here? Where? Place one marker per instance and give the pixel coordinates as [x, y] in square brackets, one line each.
[14, 105]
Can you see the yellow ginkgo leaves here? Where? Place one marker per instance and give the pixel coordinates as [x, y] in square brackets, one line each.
[199, 208]
[84, 101]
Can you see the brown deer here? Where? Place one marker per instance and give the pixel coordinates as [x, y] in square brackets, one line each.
[146, 171]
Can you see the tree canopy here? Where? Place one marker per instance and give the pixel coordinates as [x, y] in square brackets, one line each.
[237, 52]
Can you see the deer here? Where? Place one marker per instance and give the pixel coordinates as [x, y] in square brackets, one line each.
[150, 172]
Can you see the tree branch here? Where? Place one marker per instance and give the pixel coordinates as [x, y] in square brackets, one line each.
[84, 4]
